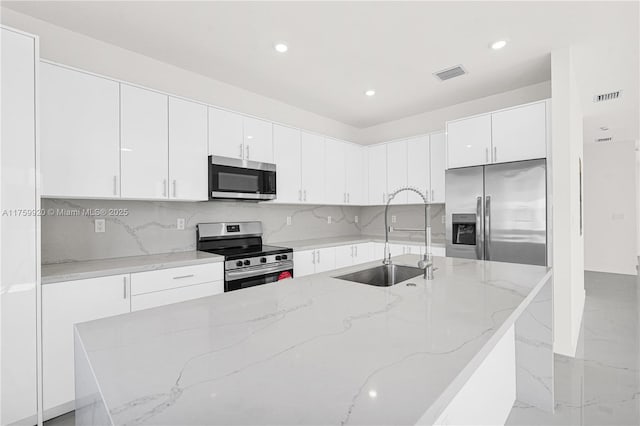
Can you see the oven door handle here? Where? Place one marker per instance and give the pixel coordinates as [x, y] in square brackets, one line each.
[253, 272]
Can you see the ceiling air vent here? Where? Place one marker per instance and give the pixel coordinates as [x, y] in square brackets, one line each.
[604, 139]
[450, 73]
[607, 96]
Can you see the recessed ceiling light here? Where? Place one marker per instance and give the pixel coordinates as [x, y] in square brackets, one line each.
[497, 45]
[370, 92]
[281, 47]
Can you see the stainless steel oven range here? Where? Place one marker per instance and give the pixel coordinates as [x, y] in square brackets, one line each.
[247, 262]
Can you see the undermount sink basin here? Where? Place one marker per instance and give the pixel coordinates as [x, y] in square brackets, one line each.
[383, 275]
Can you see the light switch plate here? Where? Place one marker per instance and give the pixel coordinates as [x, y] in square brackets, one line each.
[393, 218]
[99, 225]
[180, 223]
[329, 220]
[288, 220]
[356, 219]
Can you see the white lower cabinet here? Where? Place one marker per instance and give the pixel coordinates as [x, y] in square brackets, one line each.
[175, 295]
[309, 262]
[63, 305]
[353, 254]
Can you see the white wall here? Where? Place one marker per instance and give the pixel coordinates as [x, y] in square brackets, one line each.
[60, 45]
[610, 207]
[434, 120]
[567, 238]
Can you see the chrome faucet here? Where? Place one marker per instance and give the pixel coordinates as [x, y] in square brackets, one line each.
[426, 263]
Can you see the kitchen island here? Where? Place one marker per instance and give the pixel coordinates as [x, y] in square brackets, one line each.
[321, 350]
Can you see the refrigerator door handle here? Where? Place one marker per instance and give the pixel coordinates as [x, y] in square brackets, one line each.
[479, 236]
[487, 225]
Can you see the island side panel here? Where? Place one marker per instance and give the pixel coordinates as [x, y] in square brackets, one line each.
[534, 351]
[90, 407]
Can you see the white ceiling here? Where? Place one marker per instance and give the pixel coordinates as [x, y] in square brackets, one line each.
[337, 50]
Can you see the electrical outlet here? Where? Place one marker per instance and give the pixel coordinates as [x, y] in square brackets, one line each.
[393, 218]
[356, 219]
[329, 220]
[180, 223]
[288, 220]
[99, 225]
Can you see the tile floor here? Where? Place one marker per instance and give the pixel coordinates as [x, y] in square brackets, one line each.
[601, 386]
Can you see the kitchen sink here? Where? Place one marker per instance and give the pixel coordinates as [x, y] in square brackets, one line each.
[383, 275]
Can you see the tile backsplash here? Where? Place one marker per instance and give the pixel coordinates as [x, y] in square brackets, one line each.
[150, 227]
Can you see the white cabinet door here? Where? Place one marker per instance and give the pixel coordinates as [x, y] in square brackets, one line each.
[144, 143]
[325, 259]
[377, 251]
[469, 141]
[79, 128]
[175, 295]
[344, 256]
[187, 150]
[363, 253]
[286, 143]
[377, 174]
[64, 304]
[312, 160]
[334, 172]
[303, 263]
[225, 134]
[418, 168]
[19, 250]
[519, 133]
[258, 140]
[354, 166]
[397, 170]
[438, 162]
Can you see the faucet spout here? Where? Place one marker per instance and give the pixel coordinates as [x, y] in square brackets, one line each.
[426, 262]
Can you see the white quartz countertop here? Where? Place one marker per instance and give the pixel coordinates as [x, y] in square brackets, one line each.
[70, 271]
[314, 350]
[318, 243]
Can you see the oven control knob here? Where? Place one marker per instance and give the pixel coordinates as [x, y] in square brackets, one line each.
[278, 257]
[247, 262]
[263, 260]
[239, 263]
[284, 257]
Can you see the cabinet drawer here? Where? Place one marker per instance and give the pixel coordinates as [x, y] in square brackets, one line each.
[175, 295]
[164, 279]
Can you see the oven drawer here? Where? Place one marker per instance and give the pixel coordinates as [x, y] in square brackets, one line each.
[164, 279]
[175, 295]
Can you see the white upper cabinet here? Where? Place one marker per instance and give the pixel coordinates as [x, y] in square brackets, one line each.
[225, 134]
[334, 172]
[144, 143]
[519, 133]
[286, 145]
[377, 174]
[312, 160]
[438, 162]
[79, 128]
[418, 167]
[187, 150]
[258, 140]
[354, 170]
[469, 141]
[397, 170]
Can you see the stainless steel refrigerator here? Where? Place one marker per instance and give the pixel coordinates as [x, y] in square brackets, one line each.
[498, 212]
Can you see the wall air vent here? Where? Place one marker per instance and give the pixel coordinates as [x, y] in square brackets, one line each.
[450, 73]
[607, 96]
[604, 139]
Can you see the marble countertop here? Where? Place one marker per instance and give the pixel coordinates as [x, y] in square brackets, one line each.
[317, 243]
[311, 350]
[70, 271]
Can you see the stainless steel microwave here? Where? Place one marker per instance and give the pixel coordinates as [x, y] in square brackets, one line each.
[234, 179]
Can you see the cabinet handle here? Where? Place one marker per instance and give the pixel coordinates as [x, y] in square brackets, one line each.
[383, 198]
[115, 185]
[486, 154]
[164, 188]
[356, 247]
[240, 146]
[247, 149]
[184, 276]
[318, 251]
[433, 196]
[495, 154]
[348, 198]
[175, 192]
[124, 287]
[299, 194]
[313, 257]
[351, 251]
[344, 197]
[305, 194]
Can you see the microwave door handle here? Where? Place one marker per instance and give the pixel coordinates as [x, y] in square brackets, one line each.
[479, 236]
